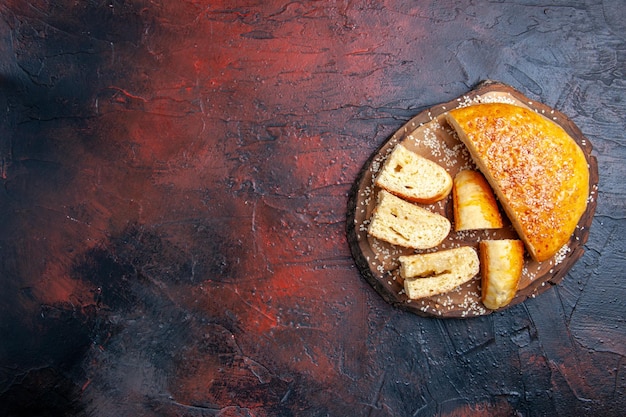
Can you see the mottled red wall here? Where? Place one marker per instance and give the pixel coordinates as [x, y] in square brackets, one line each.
[172, 211]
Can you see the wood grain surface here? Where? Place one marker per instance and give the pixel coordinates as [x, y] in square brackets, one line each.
[426, 134]
[175, 176]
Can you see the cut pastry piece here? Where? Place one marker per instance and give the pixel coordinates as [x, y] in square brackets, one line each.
[475, 206]
[402, 223]
[435, 273]
[502, 262]
[413, 177]
[538, 172]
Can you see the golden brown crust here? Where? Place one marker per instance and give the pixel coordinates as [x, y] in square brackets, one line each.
[536, 169]
[474, 204]
[501, 263]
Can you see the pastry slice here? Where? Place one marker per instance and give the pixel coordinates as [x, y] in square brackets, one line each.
[538, 172]
[475, 206]
[435, 273]
[413, 177]
[501, 262]
[405, 224]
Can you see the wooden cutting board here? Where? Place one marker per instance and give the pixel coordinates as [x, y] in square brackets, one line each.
[429, 135]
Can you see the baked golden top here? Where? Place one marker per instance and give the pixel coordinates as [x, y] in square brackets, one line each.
[536, 169]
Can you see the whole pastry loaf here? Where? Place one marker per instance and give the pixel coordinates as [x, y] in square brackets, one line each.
[538, 172]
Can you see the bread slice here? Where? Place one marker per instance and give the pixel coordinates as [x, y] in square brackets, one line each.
[538, 172]
[435, 273]
[501, 262]
[413, 177]
[475, 206]
[405, 224]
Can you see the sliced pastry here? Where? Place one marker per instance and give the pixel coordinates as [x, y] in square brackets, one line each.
[501, 268]
[435, 273]
[399, 222]
[413, 177]
[475, 206]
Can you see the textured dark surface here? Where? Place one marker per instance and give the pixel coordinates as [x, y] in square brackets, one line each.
[172, 211]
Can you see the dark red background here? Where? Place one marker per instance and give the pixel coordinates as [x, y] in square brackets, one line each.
[172, 212]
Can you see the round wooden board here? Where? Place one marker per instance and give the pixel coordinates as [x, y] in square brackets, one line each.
[429, 135]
